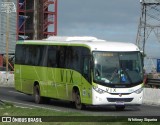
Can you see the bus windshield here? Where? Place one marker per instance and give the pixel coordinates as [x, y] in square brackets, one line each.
[117, 67]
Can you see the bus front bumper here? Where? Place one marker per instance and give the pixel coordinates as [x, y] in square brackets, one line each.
[116, 99]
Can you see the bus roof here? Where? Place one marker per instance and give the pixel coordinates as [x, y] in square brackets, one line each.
[91, 42]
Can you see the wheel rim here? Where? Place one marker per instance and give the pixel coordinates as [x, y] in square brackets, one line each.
[78, 101]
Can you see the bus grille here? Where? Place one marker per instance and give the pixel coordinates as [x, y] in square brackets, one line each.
[119, 99]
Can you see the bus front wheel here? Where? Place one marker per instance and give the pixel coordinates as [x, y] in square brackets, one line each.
[37, 97]
[78, 103]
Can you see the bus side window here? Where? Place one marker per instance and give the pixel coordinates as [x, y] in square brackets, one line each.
[60, 56]
[52, 62]
[20, 54]
[86, 70]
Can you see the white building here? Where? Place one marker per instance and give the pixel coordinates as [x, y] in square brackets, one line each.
[12, 27]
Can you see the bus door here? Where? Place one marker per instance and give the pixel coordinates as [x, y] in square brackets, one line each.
[86, 80]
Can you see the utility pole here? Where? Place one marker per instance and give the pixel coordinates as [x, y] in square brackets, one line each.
[149, 22]
[7, 41]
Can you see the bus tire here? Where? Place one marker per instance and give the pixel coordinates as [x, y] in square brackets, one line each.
[37, 97]
[77, 102]
[120, 108]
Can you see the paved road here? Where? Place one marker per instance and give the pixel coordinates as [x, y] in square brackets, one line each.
[10, 95]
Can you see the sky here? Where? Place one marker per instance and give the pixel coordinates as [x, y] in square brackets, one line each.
[113, 20]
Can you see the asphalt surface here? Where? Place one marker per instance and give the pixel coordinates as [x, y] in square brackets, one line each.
[11, 95]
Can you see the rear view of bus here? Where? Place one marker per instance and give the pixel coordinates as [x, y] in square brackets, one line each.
[118, 77]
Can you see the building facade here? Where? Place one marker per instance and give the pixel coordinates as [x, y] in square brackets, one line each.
[12, 19]
[32, 19]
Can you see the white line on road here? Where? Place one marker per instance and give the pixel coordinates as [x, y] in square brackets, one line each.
[32, 105]
[16, 92]
[23, 107]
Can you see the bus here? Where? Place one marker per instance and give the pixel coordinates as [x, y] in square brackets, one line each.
[82, 70]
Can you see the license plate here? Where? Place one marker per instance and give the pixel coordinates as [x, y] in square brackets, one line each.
[119, 103]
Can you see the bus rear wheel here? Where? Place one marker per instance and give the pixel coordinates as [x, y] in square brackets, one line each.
[37, 98]
[78, 103]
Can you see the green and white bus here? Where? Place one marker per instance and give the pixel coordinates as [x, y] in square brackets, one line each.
[83, 70]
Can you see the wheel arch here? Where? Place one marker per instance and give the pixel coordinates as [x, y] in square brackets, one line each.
[74, 90]
[35, 83]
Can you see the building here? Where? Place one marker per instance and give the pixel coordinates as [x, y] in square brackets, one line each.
[12, 18]
[33, 19]
[37, 19]
[12, 29]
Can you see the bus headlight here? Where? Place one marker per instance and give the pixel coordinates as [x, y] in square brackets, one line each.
[100, 91]
[138, 91]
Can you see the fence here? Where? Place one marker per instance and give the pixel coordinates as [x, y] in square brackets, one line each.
[152, 83]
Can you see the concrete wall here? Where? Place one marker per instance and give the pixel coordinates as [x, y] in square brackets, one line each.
[7, 83]
[151, 96]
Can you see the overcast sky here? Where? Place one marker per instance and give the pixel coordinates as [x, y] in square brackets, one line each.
[114, 20]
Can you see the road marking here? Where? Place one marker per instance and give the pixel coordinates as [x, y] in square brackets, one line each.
[32, 105]
[23, 107]
[16, 92]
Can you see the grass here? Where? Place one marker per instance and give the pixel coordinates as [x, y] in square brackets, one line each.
[8, 109]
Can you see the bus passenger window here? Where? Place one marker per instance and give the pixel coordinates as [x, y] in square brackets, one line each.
[52, 62]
